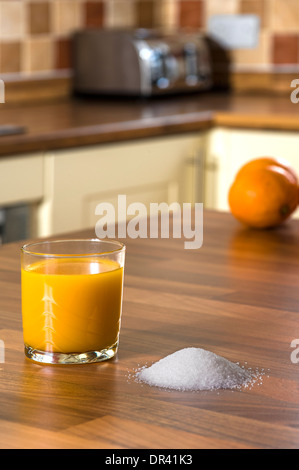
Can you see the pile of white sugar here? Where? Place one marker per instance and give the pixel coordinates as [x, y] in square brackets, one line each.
[195, 369]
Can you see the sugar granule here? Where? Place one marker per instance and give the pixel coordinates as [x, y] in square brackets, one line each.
[195, 369]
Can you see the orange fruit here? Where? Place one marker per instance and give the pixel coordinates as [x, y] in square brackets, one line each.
[266, 161]
[263, 196]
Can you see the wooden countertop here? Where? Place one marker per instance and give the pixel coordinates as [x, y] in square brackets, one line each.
[236, 296]
[76, 122]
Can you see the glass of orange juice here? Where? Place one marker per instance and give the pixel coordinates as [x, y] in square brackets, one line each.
[72, 300]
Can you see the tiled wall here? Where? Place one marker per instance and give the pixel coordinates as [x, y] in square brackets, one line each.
[35, 35]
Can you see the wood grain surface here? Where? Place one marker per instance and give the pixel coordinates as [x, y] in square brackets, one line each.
[237, 296]
[75, 122]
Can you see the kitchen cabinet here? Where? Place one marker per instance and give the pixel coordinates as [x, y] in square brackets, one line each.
[160, 169]
[228, 149]
[66, 186]
[21, 179]
[21, 190]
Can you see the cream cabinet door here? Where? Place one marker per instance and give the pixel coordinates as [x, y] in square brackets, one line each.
[228, 150]
[166, 169]
[21, 179]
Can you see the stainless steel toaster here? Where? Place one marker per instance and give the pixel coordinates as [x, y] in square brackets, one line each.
[139, 62]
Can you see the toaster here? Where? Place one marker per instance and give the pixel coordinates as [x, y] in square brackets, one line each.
[139, 62]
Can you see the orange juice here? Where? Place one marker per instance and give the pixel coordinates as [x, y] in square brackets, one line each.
[72, 304]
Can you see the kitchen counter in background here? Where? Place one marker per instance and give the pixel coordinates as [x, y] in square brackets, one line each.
[80, 152]
[77, 122]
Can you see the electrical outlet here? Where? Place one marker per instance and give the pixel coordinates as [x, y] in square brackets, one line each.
[235, 31]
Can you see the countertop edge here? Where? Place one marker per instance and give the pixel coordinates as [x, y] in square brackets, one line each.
[130, 130]
[105, 133]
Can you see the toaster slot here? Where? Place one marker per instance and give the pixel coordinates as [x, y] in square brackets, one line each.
[165, 66]
[160, 67]
[156, 66]
[191, 63]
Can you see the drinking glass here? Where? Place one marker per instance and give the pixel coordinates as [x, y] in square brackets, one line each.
[72, 294]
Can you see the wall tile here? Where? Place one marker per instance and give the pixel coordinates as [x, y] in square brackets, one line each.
[120, 13]
[93, 14]
[145, 13]
[10, 57]
[191, 14]
[39, 17]
[67, 16]
[12, 19]
[167, 15]
[261, 55]
[39, 55]
[222, 7]
[255, 7]
[285, 49]
[284, 16]
[63, 54]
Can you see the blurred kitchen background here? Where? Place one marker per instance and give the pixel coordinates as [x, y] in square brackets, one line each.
[259, 57]
[35, 36]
